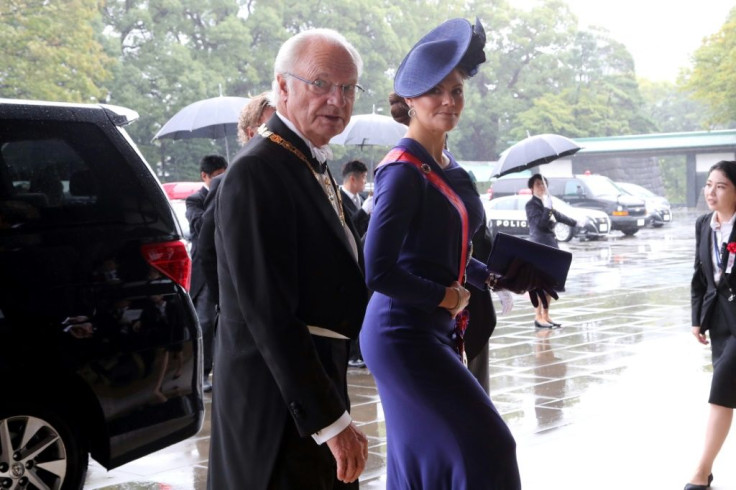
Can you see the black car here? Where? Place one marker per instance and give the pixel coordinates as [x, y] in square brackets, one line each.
[628, 213]
[99, 342]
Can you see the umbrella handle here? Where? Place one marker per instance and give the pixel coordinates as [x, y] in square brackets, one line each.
[546, 191]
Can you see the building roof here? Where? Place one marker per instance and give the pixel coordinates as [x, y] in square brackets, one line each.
[702, 141]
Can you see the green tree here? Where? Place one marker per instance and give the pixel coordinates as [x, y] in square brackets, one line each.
[671, 108]
[596, 93]
[173, 53]
[712, 79]
[52, 51]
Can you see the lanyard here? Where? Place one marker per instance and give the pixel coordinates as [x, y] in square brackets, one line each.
[716, 249]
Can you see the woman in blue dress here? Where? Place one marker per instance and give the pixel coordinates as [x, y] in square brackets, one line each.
[443, 431]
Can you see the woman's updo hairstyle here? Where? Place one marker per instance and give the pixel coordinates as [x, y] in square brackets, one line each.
[399, 108]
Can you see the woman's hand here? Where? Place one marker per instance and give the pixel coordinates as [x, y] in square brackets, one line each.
[456, 299]
[699, 335]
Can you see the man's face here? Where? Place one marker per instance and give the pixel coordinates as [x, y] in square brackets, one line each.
[207, 178]
[319, 117]
[357, 182]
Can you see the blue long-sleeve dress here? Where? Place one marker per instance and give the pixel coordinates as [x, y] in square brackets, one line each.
[443, 431]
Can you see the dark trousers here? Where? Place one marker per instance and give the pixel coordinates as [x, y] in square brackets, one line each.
[206, 314]
[478, 367]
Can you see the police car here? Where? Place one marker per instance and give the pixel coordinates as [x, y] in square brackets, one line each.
[508, 215]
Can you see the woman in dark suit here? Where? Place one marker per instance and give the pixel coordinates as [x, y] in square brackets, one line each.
[714, 309]
[542, 220]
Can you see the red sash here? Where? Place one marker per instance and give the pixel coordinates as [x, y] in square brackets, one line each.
[403, 156]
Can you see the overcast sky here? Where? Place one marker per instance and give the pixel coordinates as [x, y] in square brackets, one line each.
[660, 34]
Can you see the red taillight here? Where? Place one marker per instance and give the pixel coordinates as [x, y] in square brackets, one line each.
[171, 259]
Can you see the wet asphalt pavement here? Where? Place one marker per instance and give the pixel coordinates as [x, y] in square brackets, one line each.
[615, 399]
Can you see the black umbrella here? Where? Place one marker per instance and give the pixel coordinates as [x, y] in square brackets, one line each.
[209, 118]
[534, 151]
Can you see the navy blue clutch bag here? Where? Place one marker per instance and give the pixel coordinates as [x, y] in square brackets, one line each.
[552, 262]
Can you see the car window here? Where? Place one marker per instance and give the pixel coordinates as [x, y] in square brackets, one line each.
[503, 204]
[573, 187]
[56, 173]
[602, 187]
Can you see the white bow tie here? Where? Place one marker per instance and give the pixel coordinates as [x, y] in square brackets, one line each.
[322, 153]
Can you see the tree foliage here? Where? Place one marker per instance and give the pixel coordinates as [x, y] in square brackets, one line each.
[52, 51]
[543, 73]
[713, 76]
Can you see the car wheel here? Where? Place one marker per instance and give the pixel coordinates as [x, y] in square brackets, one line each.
[630, 231]
[563, 232]
[39, 450]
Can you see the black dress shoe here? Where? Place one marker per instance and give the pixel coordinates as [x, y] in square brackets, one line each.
[356, 363]
[556, 325]
[206, 386]
[543, 325]
[692, 486]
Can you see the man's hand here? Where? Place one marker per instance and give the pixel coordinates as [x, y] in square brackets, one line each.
[507, 301]
[700, 337]
[368, 205]
[350, 450]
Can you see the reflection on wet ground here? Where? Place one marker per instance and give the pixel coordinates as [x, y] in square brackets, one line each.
[615, 399]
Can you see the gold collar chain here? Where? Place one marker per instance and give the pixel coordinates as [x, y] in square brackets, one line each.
[331, 190]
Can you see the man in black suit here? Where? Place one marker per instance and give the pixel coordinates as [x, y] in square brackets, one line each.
[292, 291]
[209, 167]
[256, 112]
[354, 175]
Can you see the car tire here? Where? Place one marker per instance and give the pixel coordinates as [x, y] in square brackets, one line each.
[630, 231]
[563, 232]
[61, 464]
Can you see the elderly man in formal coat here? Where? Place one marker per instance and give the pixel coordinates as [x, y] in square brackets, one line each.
[292, 291]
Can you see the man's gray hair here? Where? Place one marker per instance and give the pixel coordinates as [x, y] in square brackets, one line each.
[295, 47]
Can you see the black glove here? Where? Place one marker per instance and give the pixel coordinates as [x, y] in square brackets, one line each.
[522, 277]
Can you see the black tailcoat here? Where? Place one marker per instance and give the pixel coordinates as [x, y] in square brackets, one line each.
[360, 218]
[283, 262]
[195, 209]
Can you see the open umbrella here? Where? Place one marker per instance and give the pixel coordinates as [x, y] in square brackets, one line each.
[209, 118]
[534, 151]
[370, 130]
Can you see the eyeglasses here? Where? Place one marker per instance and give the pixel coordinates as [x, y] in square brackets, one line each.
[322, 87]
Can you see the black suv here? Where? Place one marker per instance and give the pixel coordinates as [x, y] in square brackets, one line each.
[99, 342]
[628, 213]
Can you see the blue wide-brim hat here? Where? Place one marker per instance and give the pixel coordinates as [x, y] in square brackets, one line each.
[453, 43]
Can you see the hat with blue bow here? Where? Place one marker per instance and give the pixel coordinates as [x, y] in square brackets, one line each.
[455, 43]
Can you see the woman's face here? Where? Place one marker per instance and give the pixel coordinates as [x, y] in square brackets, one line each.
[439, 109]
[538, 188]
[720, 193]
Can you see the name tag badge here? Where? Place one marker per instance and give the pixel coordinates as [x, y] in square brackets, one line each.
[729, 265]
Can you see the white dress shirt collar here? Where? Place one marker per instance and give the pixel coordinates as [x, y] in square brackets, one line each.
[319, 153]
